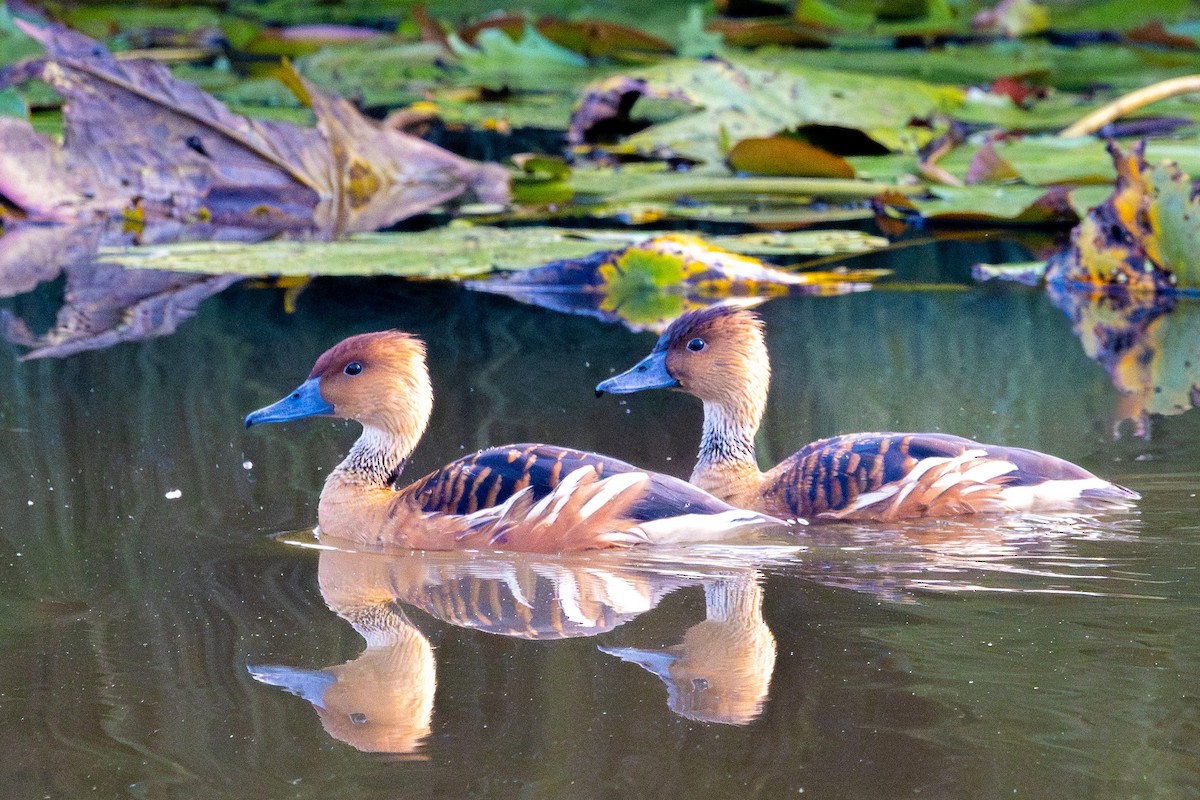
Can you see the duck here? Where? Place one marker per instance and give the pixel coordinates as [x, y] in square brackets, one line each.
[719, 355]
[527, 497]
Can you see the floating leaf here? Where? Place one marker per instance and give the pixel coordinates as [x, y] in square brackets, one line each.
[991, 205]
[1145, 236]
[102, 20]
[988, 167]
[1052, 161]
[380, 73]
[820, 14]
[1154, 33]
[12, 104]
[787, 156]
[1079, 69]
[1117, 15]
[740, 101]
[497, 61]
[15, 44]
[695, 41]
[452, 252]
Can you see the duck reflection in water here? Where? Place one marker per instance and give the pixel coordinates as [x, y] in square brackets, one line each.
[721, 671]
[382, 701]
[379, 702]
[1149, 344]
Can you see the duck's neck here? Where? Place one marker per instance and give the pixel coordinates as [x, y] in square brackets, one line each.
[726, 465]
[360, 501]
[737, 599]
[375, 461]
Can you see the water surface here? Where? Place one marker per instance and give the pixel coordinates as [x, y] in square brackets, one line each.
[144, 584]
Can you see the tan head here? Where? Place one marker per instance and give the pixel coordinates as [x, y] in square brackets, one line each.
[717, 354]
[379, 379]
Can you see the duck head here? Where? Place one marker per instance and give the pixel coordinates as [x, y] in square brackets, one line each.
[379, 379]
[717, 354]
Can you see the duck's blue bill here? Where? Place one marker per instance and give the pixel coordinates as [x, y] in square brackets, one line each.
[306, 401]
[649, 373]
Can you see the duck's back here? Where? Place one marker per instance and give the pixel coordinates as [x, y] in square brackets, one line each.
[895, 475]
[490, 477]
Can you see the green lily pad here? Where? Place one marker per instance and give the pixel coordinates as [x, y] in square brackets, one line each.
[1116, 15]
[533, 61]
[14, 44]
[730, 101]
[1049, 160]
[1120, 66]
[456, 251]
[101, 21]
[12, 104]
[1013, 204]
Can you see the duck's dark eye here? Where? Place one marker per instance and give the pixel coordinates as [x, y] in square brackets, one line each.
[695, 345]
[353, 368]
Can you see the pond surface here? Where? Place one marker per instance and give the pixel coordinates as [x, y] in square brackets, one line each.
[151, 608]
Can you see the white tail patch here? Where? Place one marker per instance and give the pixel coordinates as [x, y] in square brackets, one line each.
[703, 527]
[1050, 495]
[973, 482]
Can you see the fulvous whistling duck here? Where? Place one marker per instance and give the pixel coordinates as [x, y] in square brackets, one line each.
[531, 497]
[719, 355]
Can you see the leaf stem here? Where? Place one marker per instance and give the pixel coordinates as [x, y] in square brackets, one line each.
[1131, 102]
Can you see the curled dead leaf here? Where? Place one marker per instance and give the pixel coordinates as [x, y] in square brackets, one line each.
[1144, 237]
[136, 133]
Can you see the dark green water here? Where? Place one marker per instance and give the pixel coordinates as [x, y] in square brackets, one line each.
[1033, 657]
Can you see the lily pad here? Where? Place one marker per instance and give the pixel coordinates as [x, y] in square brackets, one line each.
[497, 61]
[456, 251]
[999, 205]
[14, 43]
[730, 101]
[1074, 69]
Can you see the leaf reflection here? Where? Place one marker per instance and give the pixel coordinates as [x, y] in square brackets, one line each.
[1148, 343]
[104, 305]
[648, 284]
